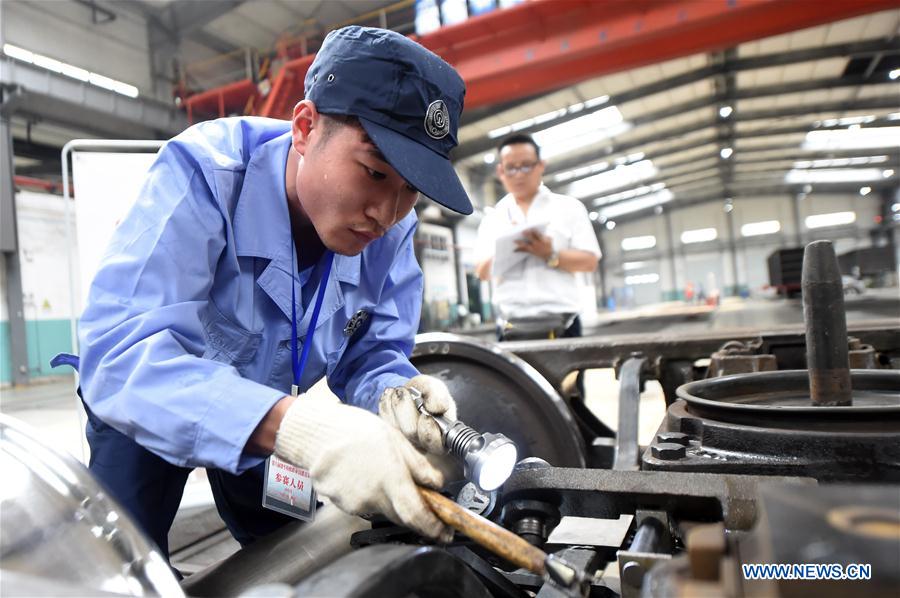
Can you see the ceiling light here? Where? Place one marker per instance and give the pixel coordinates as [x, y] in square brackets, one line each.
[832, 175]
[628, 194]
[887, 173]
[854, 127]
[489, 158]
[610, 224]
[894, 74]
[582, 131]
[643, 242]
[598, 101]
[855, 120]
[700, 235]
[637, 204]
[858, 161]
[833, 219]
[620, 176]
[845, 139]
[69, 70]
[726, 152]
[594, 215]
[865, 190]
[766, 227]
[895, 207]
[546, 117]
[576, 173]
[633, 265]
[725, 111]
[18, 53]
[642, 278]
[501, 132]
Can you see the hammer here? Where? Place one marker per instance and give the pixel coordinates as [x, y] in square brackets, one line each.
[504, 543]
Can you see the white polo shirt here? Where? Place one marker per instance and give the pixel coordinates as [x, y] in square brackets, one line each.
[531, 287]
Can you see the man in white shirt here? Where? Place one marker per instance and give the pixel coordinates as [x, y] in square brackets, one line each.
[560, 243]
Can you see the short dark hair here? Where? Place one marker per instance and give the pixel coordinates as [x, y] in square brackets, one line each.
[520, 138]
[331, 123]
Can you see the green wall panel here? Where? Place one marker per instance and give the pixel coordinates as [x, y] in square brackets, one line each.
[45, 338]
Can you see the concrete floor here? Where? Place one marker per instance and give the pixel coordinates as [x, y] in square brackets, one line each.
[678, 318]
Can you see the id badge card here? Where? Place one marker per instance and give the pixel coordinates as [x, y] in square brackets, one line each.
[289, 490]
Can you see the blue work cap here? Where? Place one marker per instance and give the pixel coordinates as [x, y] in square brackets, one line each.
[407, 99]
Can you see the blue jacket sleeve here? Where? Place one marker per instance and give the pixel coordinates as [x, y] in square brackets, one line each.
[141, 337]
[380, 359]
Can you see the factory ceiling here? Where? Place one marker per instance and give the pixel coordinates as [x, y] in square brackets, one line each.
[813, 107]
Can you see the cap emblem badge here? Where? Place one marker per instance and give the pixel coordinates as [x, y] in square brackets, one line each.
[437, 120]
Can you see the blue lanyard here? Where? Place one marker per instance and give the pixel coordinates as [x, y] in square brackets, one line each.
[298, 364]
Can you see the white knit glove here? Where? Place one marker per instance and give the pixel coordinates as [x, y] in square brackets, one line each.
[360, 463]
[397, 407]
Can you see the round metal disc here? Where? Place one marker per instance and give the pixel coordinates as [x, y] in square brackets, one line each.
[495, 391]
[786, 393]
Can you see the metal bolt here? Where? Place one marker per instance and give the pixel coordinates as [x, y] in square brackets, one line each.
[676, 437]
[826, 326]
[668, 451]
[633, 574]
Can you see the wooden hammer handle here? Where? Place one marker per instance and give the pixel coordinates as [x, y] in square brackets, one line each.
[498, 540]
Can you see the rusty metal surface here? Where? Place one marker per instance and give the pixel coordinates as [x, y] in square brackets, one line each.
[862, 357]
[735, 357]
[826, 326]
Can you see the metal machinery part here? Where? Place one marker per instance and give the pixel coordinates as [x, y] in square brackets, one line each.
[827, 421]
[740, 471]
[392, 570]
[56, 519]
[498, 392]
[820, 526]
[285, 557]
[671, 358]
[765, 423]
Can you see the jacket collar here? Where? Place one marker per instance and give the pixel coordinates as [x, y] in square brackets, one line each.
[261, 221]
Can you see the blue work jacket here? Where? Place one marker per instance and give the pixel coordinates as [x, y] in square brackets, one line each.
[185, 339]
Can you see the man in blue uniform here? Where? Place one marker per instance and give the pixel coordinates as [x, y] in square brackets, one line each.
[260, 256]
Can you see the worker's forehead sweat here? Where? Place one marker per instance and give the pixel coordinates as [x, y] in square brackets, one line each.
[407, 99]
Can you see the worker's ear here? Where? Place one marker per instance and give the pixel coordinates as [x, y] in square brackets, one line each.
[499, 171]
[304, 121]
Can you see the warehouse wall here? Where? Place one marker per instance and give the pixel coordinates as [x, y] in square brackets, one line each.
[117, 49]
[709, 264]
[45, 284]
